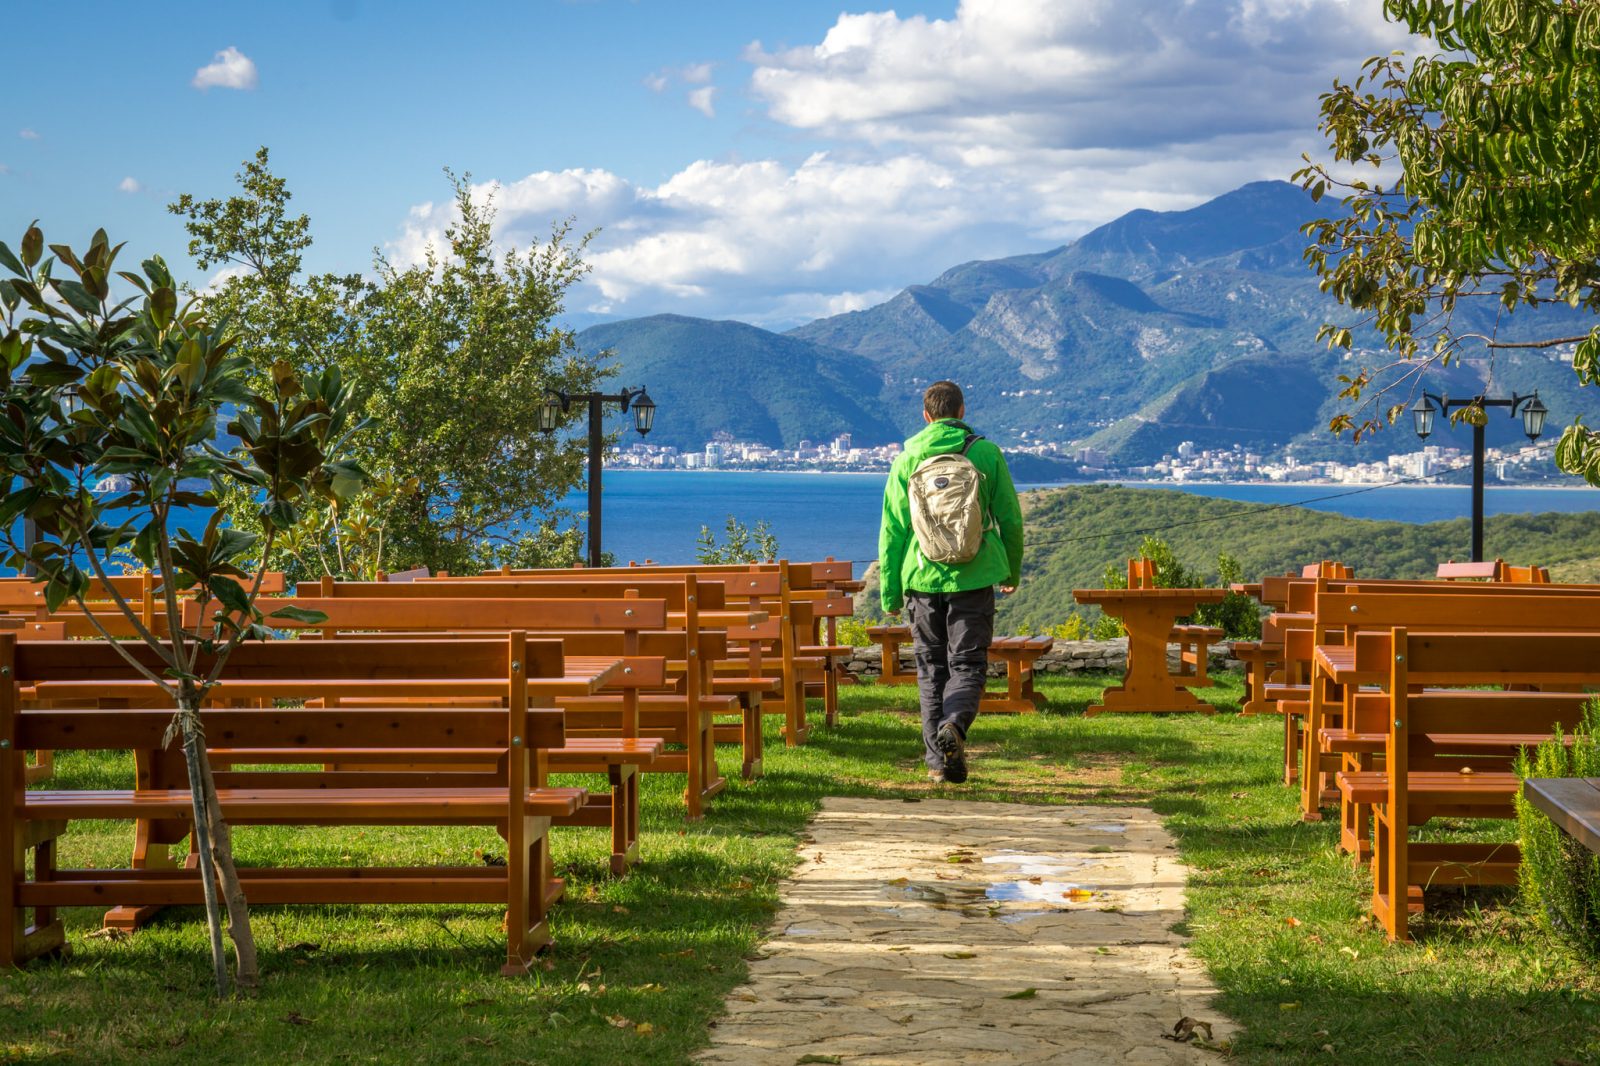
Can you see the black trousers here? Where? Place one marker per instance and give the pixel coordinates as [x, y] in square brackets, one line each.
[950, 632]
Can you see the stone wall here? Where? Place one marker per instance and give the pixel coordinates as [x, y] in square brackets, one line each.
[1067, 657]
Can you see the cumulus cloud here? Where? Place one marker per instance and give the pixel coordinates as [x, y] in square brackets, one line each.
[28, 134]
[130, 185]
[1008, 128]
[1013, 77]
[761, 241]
[703, 100]
[228, 69]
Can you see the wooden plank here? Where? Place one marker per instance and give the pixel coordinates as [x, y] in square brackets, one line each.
[1573, 803]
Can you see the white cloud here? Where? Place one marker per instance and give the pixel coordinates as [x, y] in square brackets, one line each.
[28, 134]
[1039, 76]
[1009, 128]
[221, 277]
[130, 185]
[703, 100]
[696, 74]
[228, 69]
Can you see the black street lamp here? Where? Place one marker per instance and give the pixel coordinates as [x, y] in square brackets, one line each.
[1533, 413]
[644, 419]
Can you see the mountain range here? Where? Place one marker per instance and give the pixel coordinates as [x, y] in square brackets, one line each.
[1155, 328]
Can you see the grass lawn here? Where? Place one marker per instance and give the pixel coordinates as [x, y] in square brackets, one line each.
[641, 965]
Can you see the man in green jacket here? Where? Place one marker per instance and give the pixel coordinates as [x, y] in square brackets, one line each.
[950, 606]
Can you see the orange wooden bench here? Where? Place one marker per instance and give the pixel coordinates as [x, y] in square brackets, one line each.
[1446, 750]
[1018, 653]
[512, 797]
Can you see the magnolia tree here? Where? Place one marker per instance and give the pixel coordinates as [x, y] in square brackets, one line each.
[1468, 181]
[136, 387]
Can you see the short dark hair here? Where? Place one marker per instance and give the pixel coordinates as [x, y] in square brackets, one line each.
[943, 400]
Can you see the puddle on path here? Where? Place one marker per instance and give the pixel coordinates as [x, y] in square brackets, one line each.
[1037, 865]
[1058, 892]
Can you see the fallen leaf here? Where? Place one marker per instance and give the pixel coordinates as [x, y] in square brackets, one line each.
[900, 882]
[1293, 923]
[1289, 1006]
[108, 933]
[294, 1017]
[906, 1020]
[1035, 880]
[1352, 952]
[651, 987]
[619, 1021]
[481, 1041]
[744, 997]
[1078, 895]
[805, 1059]
[961, 954]
[1026, 993]
[744, 884]
[1184, 1030]
[618, 908]
[644, 1028]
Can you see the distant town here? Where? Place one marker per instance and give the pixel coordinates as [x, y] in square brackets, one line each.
[1529, 463]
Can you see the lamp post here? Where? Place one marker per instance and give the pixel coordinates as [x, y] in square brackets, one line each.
[1533, 412]
[644, 418]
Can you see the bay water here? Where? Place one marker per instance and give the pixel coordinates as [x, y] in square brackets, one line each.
[657, 514]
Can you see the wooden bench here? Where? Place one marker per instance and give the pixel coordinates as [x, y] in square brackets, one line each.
[1573, 803]
[1018, 653]
[741, 696]
[512, 797]
[1446, 751]
[1493, 570]
[620, 750]
[1339, 614]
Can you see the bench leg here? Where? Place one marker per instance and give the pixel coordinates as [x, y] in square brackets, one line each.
[1355, 818]
[624, 817]
[43, 765]
[795, 729]
[1291, 748]
[750, 705]
[528, 878]
[830, 693]
[22, 939]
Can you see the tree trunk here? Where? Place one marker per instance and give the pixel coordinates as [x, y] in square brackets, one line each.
[214, 845]
[247, 976]
[202, 794]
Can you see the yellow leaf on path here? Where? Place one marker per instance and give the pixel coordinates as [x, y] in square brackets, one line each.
[644, 1028]
[1078, 895]
[961, 954]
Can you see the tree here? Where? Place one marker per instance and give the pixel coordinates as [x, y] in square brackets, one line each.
[95, 386]
[454, 356]
[1471, 178]
[741, 544]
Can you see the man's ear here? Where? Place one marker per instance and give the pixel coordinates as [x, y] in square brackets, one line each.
[926, 417]
[961, 413]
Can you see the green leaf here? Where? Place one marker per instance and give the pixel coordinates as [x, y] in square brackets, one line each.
[163, 302]
[301, 615]
[230, 594]
[10, 261]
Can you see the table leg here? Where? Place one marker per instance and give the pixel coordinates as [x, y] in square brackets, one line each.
[1148, 686]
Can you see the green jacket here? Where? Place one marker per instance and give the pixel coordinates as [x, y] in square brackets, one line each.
[998, 562]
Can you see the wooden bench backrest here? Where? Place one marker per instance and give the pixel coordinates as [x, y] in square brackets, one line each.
[1422, 611]
[576, 588]
[1483, 658]
[421, 614]
[1301, 594]
[800, 575]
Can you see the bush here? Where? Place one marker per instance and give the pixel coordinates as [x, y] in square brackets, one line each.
[1560, 877]
[1237, 615]
[853, 631]
[756, 544]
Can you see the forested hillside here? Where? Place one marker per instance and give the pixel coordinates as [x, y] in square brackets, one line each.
[1072, 533]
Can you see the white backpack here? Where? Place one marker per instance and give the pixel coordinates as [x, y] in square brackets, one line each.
[947, 512]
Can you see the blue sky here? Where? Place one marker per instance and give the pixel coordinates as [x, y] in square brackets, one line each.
[771, 161]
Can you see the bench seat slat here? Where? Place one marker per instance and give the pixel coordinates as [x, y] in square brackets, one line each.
[306, 806]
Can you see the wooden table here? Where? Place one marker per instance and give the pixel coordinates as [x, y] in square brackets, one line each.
[1148, 615]
[1573, 803]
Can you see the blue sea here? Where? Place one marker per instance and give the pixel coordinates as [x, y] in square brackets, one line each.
[656, 515]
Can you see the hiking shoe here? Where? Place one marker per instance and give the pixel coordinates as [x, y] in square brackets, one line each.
[936, 776]
[953, 746]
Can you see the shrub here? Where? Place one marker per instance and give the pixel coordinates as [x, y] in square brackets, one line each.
[1560, 877]
[741, 544]
[853, 632]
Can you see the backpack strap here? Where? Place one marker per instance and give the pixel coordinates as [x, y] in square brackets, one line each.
[972, 438]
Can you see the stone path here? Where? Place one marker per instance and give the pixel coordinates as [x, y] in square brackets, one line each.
[944, 931]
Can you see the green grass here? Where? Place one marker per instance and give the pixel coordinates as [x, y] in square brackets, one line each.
[660, 948]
